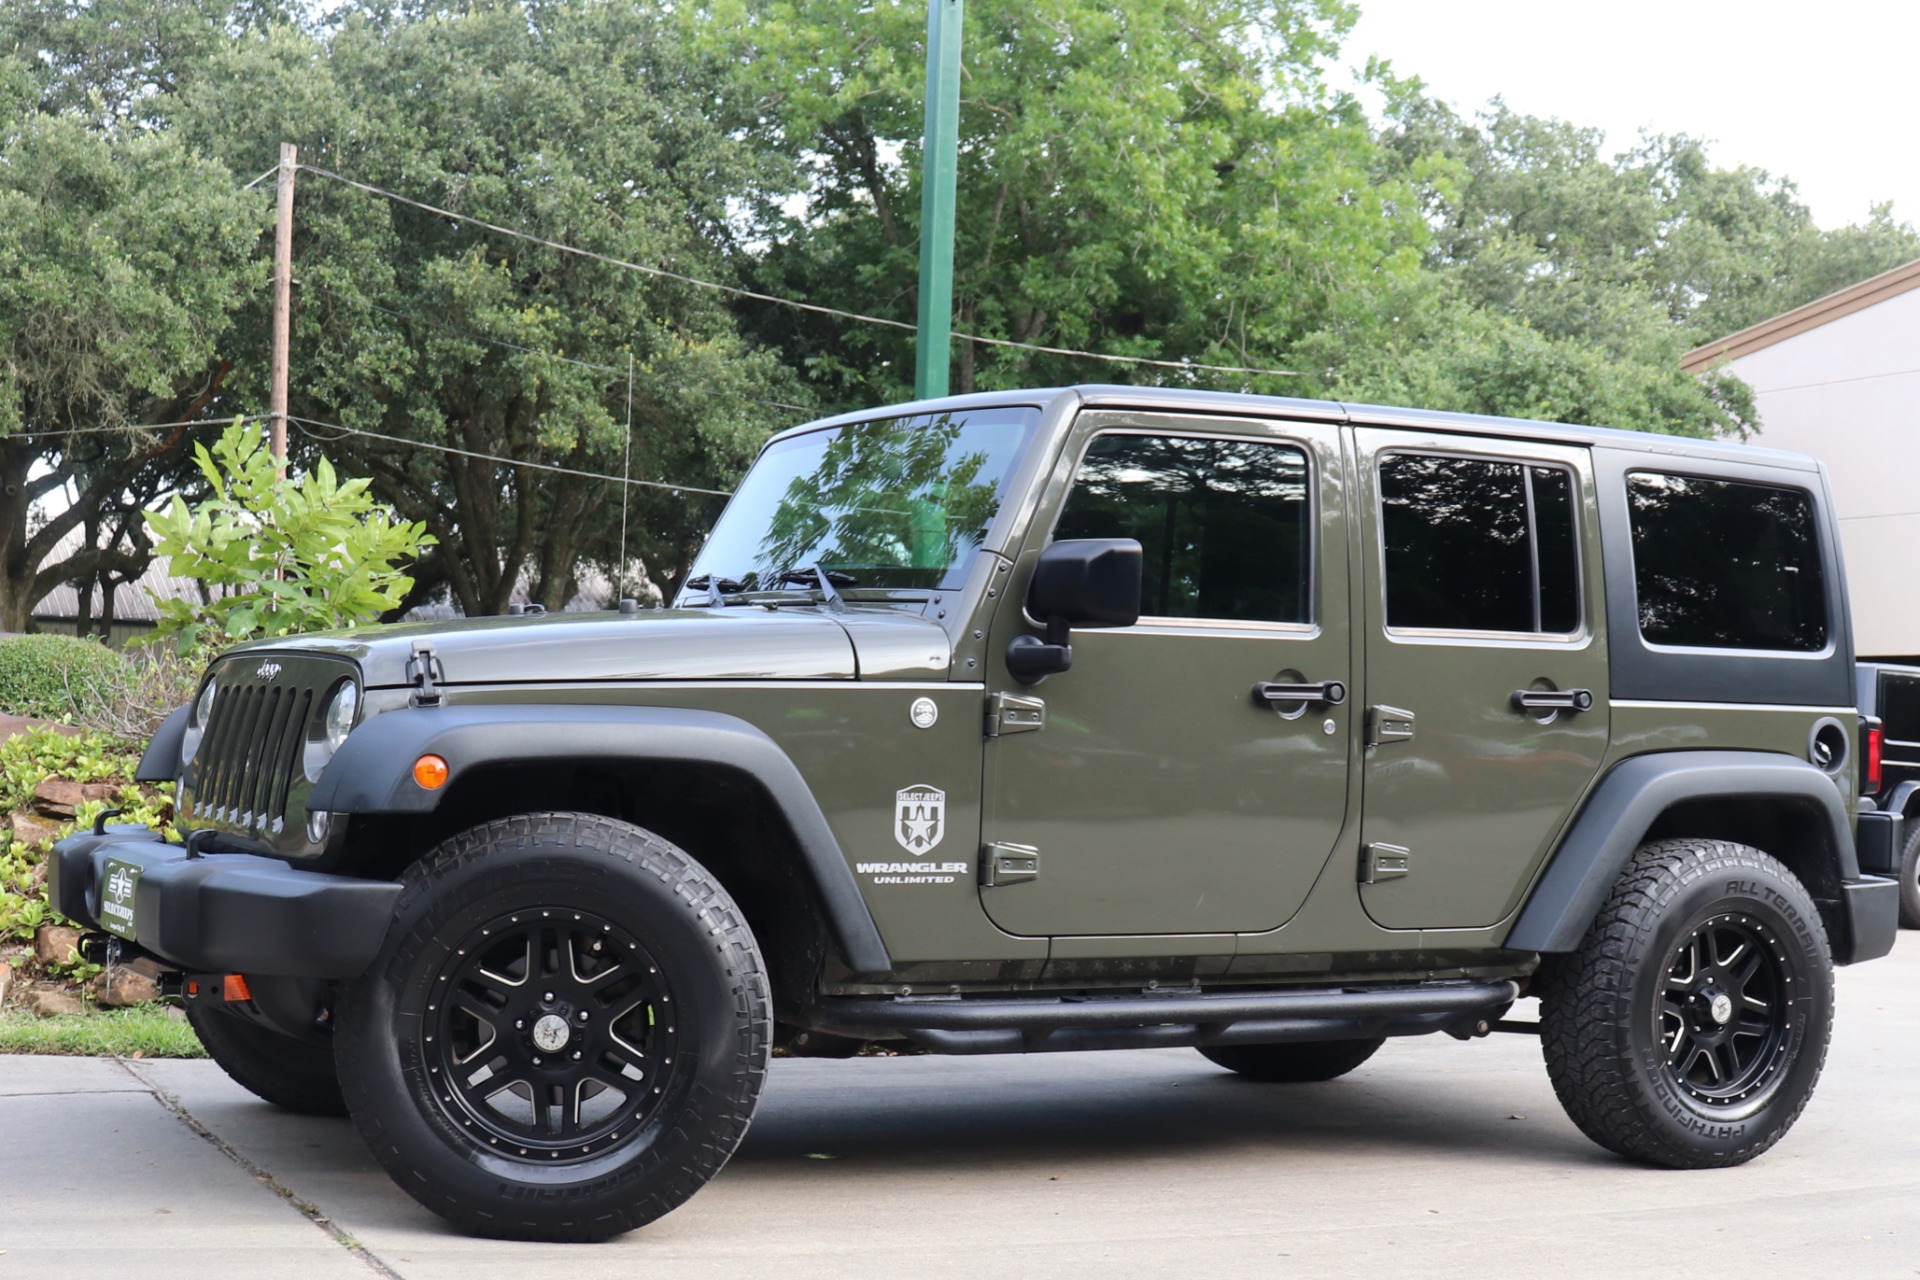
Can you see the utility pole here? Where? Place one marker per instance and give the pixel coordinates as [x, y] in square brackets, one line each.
[939, 160]
[282, 305]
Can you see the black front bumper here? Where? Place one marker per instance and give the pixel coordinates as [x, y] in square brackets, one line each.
[227, 912]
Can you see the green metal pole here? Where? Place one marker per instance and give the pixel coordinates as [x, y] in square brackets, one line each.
[939, 161]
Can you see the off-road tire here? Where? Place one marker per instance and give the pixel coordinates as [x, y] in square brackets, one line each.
[291, 1074]
[1910, 880]
[1649, 980]
[1305, 1063]
[673, 935]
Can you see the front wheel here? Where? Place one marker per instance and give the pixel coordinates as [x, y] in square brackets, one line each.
[565, 1033]
[289, 1073]
[1689, 1028]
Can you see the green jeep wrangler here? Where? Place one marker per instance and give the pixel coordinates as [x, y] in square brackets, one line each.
[1092, 718]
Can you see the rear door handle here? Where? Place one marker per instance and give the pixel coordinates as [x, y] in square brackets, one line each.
[1553, 699]
[1301, 692]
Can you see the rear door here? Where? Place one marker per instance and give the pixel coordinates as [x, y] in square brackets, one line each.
[1483, 594]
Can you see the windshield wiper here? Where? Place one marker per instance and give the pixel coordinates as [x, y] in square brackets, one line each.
[716, 587]
[825, 579]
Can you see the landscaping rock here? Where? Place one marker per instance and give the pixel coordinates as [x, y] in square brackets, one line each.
[50, 1002]
[32, 829]
[6, 981]
[121, 986]
[58, 798]
[56, 944]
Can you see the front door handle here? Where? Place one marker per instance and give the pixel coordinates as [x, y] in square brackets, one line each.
[1301, 692]
[1571, 700]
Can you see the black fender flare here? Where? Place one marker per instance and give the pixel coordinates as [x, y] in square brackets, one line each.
[1626, 803]
[160, 762]
[373, 773]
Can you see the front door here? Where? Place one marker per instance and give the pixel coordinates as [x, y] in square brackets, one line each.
[1486, 669]
[1163, 795]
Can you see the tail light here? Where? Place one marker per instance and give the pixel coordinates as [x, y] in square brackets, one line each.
[1876, 741]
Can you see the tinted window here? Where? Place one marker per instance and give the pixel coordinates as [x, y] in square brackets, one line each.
[1473, 545]
[1224, 524]
[1724, 565]
[1900, 707]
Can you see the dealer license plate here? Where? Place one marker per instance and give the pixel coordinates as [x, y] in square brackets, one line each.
[118, 883]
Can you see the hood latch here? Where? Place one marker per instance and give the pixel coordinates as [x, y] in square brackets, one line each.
[423, 670]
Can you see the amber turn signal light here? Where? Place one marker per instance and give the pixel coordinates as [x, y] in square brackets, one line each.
[234, 987]
[431, 772]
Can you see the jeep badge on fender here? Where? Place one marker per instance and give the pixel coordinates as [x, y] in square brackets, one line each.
[1043, 720]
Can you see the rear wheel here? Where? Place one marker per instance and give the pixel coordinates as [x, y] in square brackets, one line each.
[289, 1073]
[565, 1034]
[1910, 880]
[1292, 1063]
[1690, 1027]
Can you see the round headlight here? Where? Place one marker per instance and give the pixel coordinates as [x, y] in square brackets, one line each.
[340, 713]
[197, 721]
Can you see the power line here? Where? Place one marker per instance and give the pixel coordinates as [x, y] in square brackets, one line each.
[734, 290]
[262, 178]
[494, 457]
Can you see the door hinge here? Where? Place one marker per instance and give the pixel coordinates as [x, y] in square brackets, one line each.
[1009, 864]
[1383, 862]
[1388, 724]
[1014, 713]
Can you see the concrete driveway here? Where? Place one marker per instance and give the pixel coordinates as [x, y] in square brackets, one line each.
[1436, 1159]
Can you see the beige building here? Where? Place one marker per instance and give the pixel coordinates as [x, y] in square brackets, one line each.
[1839, 378]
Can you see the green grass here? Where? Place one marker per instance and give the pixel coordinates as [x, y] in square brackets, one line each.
[147, 1030]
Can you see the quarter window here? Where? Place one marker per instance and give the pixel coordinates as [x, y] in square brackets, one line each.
[1721, 564]
[1224, 525]
[1476, 545]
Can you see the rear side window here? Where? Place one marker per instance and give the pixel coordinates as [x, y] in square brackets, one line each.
[1225, 525]
[1722, 564]
[1471, 544]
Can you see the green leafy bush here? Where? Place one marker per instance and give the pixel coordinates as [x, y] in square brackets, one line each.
[58, 677]
[279, 557]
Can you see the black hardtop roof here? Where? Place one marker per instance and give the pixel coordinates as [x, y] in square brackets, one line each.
[1221, 403]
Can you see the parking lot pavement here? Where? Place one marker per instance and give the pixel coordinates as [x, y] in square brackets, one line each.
[1436, 1159]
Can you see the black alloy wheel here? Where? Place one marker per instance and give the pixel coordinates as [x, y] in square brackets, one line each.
[1691, 1024]
[565, 1033]
[551, 1033]
[1723, 1017]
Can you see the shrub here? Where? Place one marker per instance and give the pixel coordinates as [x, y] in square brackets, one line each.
[58, 677]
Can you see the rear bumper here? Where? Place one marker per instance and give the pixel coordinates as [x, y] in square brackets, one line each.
[228, 912]
[1872, 905]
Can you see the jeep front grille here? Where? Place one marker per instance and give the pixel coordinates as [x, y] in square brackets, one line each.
[248, 776]
[253, 747]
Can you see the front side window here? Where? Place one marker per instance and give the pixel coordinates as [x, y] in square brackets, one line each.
[1225, 526]
[1722, 564]
[1470, 544]
[896, 503]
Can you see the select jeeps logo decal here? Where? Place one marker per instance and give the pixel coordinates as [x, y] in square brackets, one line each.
[267, 671]
[919, 818]
[919, 823]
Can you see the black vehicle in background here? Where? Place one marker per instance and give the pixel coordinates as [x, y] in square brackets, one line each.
[1891, 695]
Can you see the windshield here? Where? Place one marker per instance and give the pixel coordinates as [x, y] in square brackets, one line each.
[895, 503]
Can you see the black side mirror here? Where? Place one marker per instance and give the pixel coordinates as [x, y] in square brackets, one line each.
[1079, 582]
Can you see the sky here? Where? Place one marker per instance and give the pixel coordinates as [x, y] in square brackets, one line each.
[1824, 93]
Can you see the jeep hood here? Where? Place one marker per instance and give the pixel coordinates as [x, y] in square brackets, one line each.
[741, 642]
